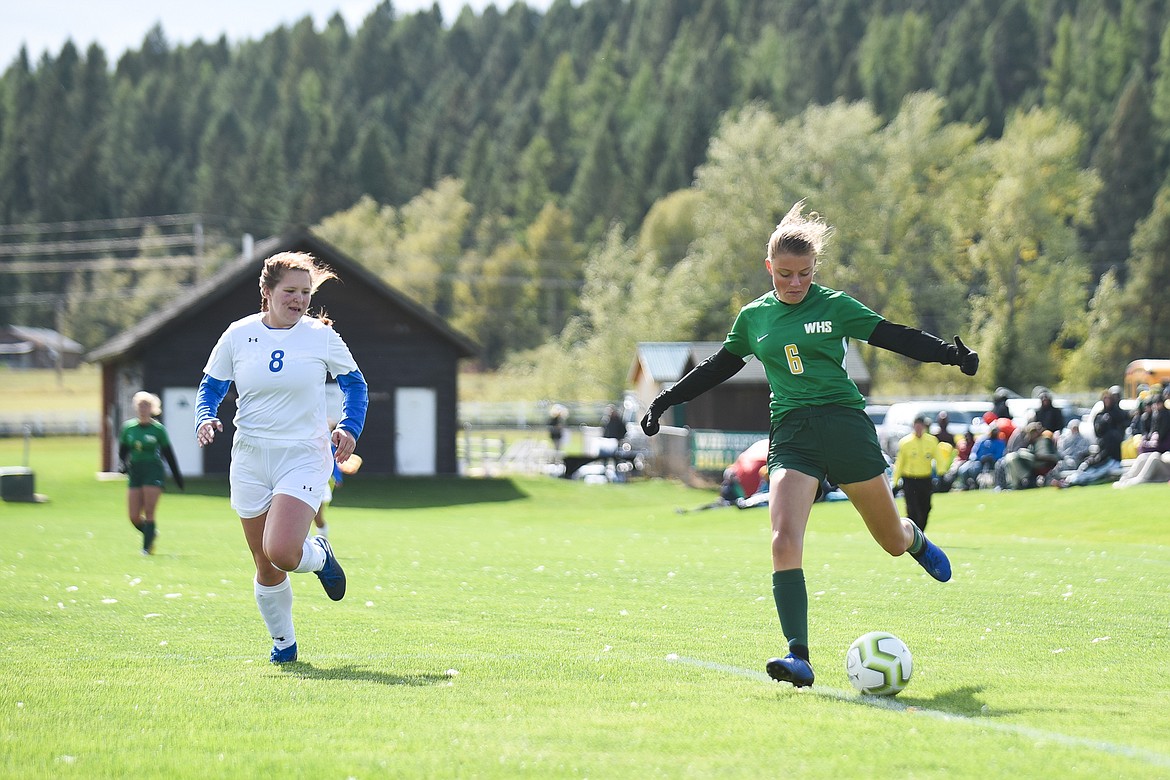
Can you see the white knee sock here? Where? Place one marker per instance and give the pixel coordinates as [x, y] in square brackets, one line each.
[275, 603]
[323, 531]
[312, 557]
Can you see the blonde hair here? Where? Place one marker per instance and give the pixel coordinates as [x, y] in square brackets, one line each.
[281, 263]
[155, 403]
[798, 234]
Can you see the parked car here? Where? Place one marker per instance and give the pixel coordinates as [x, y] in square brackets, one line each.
[877, 413]
[899, 419]
[1023, 409]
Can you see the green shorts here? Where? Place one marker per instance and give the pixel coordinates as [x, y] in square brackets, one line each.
[827, 442]
[146, 474]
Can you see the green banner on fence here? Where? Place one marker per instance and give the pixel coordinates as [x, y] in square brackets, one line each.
[716, 450]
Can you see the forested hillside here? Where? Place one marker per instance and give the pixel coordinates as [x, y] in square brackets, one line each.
[562, 184]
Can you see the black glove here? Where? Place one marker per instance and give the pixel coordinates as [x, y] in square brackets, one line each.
[965, 358]
[650, 424]
[179, 482]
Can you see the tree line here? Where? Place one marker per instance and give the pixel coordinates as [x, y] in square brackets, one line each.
[561, 185]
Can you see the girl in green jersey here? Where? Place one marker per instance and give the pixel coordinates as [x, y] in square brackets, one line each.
[800, 331]
[141, 449]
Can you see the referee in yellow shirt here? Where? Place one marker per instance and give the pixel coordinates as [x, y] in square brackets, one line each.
[914, 465]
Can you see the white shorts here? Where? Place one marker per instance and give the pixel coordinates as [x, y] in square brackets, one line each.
[263, 469]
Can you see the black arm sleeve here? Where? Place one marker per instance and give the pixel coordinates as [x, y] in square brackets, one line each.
[169, 454]
[914, 343]
[715, 370]
[123, 451]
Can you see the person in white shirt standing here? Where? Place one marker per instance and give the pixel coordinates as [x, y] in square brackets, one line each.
[281, 452]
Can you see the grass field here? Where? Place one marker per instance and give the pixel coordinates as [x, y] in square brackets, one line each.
[546, 628]
[43, 390]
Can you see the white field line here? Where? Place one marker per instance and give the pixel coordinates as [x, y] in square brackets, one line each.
[890, 703]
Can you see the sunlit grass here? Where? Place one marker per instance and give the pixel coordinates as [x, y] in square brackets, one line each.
[547, 628]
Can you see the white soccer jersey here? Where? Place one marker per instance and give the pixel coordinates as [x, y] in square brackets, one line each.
[280, 376]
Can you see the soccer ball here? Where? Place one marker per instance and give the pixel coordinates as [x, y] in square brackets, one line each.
[878, 663]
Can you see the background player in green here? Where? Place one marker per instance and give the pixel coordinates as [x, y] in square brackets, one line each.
[141, 449]
[800, 332]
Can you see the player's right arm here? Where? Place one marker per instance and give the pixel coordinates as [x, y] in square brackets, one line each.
[715, 370]
[207, 400]
[213, 390]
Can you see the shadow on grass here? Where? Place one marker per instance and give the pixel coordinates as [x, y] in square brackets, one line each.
[395, 492]
[959, 703]
[960, 700]
[963, 702]
[306, 671]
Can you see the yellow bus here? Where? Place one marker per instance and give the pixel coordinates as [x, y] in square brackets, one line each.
[1147, 371]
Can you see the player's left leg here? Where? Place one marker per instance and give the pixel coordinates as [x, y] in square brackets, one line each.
[875, 503]
[791, 495]
[289, 547]
[150, 497]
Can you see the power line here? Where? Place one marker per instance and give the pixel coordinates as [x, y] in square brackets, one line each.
[97, 245]
[56, 298]
[100, 264]
[122, 223]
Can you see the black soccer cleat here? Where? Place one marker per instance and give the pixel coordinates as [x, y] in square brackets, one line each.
[791, 669]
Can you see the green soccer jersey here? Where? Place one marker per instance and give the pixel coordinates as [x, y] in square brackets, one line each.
[802, 346]
[144, 441]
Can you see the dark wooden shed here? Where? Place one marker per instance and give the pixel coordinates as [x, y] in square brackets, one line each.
[408, 355]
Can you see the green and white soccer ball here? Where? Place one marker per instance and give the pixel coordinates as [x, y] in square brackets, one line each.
[879, 664]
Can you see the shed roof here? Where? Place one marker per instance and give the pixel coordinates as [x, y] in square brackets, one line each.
[664, 361]
[21, 339]
[244, 267]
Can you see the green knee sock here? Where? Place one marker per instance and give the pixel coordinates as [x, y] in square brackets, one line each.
[791, 605]
[918, 543]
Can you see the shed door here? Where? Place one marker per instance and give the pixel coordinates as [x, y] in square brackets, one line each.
[414, 430]
[178, 408]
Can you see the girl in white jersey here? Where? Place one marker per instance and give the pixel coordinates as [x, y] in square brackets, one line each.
[281, 453]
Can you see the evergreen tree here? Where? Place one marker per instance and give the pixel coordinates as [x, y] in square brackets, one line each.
[1160, 103]
[892, 60]
[17, 93]
[556, 125]
[1149, 270]
[1123, 159]
[373, 163]
[596, 198]
[961, 61]
[219, 180]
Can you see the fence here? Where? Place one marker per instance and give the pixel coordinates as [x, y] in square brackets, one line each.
[49, 424]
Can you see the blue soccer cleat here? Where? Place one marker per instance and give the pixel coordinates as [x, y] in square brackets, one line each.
[791, 669]
[331, 576]
[934, 560]
[285, 656]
